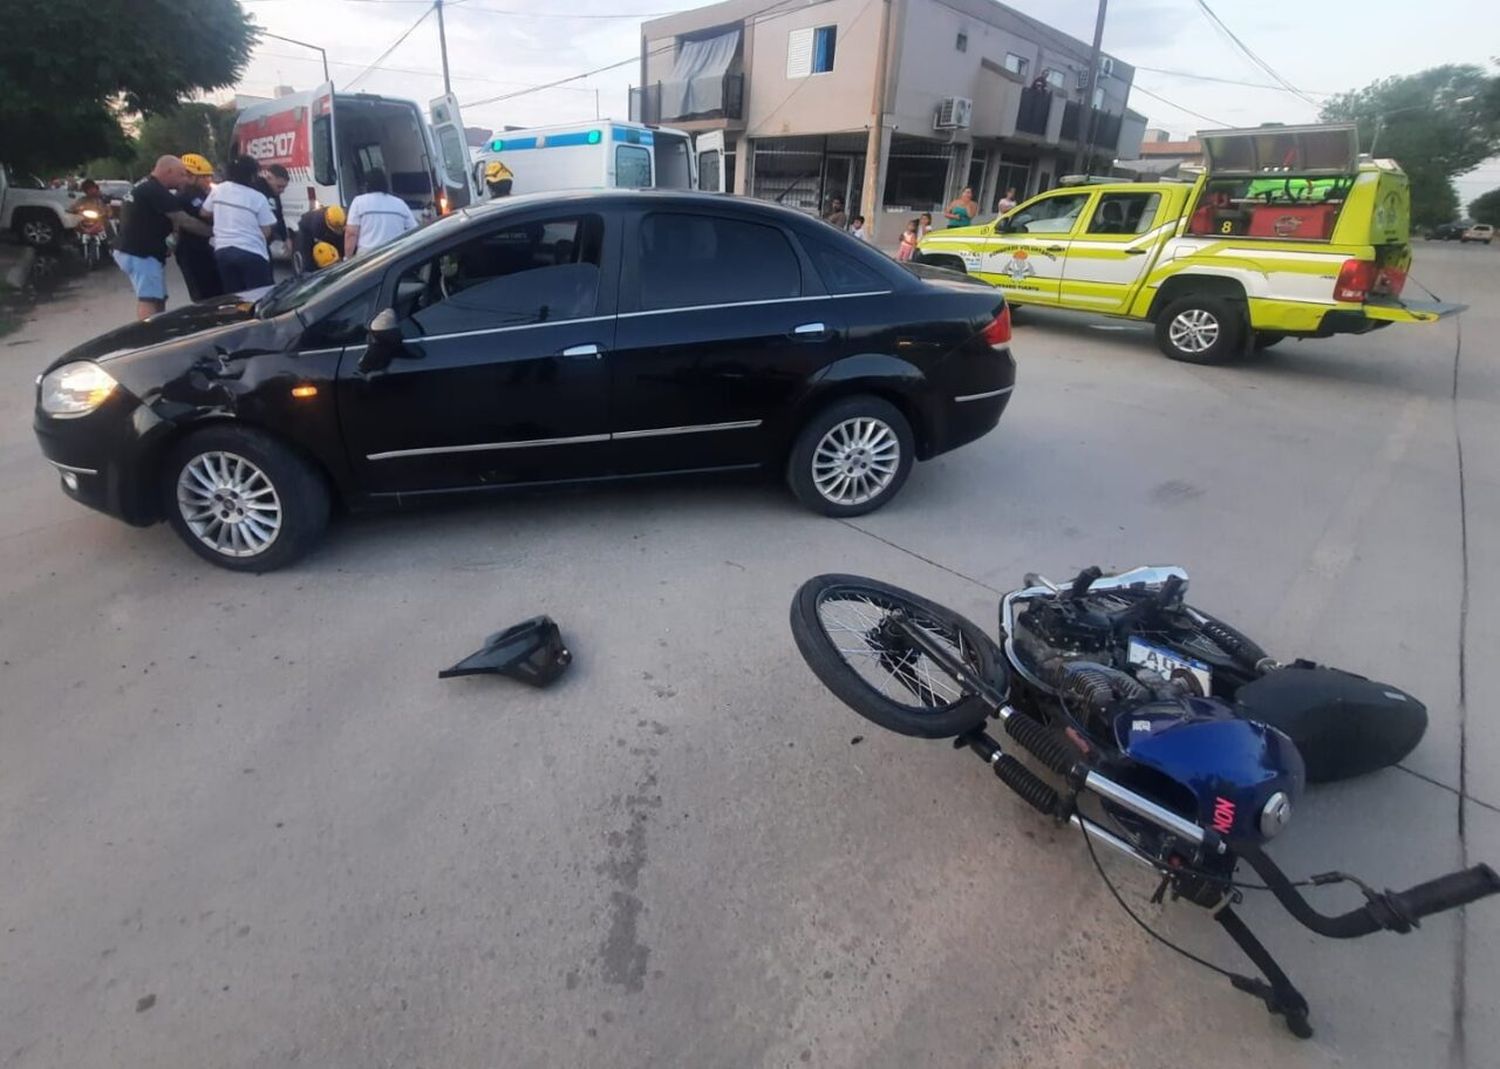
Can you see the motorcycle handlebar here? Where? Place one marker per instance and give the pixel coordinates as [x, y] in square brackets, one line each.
[1397, 911]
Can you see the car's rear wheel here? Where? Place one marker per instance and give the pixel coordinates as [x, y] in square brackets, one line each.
[1200, 329]
[852, 457]
[242, 500]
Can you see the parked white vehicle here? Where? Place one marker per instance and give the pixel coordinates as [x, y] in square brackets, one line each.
[329, 141]
[605, 154]
[35, 214]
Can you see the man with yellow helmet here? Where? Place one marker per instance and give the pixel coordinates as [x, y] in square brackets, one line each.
[194, 254]
[498, 179]
[325, 226]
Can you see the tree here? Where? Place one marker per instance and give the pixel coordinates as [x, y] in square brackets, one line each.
[194, 127]
[68, 68]
[1437, 124]
[1485, 208]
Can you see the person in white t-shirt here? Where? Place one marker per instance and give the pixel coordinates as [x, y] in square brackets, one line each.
[375, 217]
[242, 220]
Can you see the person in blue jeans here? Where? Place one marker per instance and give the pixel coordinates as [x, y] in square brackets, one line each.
[242, 220]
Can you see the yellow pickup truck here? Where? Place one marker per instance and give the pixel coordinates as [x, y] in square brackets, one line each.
[1287, 232]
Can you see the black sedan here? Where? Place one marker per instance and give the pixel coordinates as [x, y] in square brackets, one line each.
[538, 340]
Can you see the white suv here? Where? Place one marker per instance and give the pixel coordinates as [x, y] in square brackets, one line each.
[35, 214]
[1478, 232]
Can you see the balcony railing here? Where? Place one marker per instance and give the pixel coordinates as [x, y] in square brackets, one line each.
[646, 103]
[1031, 117]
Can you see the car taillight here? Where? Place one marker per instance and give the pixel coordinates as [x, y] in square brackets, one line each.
[997, 334]
[1355, 280]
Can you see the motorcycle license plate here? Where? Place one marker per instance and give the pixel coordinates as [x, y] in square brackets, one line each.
[1169, 663]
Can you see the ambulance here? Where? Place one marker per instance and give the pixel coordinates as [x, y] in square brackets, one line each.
[1287, 232]
[329, 141]
[606, 154]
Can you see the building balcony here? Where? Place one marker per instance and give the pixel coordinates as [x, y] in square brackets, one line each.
[649, 104]
[1033, 111]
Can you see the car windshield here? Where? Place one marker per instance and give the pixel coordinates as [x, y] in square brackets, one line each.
[293, 293]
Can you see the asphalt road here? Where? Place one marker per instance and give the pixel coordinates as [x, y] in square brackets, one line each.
[243, 823]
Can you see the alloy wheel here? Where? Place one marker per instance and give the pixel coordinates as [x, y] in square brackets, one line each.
[229, 504]
[36, 232]
[856, 460]
[1194, 330]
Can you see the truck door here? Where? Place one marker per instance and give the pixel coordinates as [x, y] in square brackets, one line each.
[1110, 255]
[1026, 258]
[453, 150]
[709, 148]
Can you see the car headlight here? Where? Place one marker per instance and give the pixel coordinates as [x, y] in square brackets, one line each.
[76, 389]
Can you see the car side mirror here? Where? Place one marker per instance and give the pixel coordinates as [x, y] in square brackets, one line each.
[382, 342]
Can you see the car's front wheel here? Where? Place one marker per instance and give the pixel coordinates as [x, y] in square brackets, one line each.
[37, 229]
[243, 500]
[852, 457]
[1200, 330]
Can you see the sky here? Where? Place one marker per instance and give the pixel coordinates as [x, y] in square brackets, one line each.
[504, 46]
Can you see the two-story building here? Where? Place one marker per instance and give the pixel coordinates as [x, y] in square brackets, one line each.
[975, 94]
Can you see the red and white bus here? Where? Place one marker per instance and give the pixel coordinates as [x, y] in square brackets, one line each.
[329, 141]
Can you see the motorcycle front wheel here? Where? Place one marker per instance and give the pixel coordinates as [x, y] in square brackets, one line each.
[843, 627]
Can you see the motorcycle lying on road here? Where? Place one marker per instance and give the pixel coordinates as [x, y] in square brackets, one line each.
[1157, 764]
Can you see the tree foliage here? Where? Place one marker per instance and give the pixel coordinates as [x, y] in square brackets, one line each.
[1485, 208]
[201, 128]
[69, 67]
[1424, 127]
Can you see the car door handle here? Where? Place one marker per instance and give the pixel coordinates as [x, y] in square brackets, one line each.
[1054, 248]
[1135, 252]
[583, 350]
[810, 331]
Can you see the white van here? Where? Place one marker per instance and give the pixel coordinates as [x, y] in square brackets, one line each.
[605, 154]
[329, 141]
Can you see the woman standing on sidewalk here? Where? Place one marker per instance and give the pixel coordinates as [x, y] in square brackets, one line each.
[963, 210]
[243, 221]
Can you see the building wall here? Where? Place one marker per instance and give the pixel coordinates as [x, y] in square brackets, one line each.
[819, 103]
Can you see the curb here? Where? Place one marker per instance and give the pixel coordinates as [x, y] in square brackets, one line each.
[17, 275]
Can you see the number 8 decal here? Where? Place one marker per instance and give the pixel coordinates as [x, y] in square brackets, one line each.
[1226, 227]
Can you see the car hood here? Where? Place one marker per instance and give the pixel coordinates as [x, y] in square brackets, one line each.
[193, 319]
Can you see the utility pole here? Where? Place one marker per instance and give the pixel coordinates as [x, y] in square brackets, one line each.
[293, 41]
[869, 206]
[443, 44]
[1086, 132]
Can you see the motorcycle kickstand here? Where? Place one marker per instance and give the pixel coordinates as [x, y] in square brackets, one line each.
[1277, 993]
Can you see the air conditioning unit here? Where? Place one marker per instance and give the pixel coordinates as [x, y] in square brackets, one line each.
[954, 113]
[1083, 79]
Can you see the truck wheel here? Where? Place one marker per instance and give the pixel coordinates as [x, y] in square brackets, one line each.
[1200, 330]
[37, 229]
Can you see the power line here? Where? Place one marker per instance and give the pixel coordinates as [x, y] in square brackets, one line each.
[1188, 111]
[558, 15]
[749, 20]
[1223, 81]
[381, 58]
[1243, 47]
[402, 70]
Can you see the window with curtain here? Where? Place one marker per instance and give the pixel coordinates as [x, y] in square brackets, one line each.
[824, 40]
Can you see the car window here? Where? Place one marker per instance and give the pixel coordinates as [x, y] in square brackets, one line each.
[1124, 213]
[632, 167]
[522, 273]
[841, 269]
[1050, 215]
[688, 260]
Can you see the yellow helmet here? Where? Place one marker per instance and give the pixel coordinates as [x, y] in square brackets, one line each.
[494, 171]
[325, 254]
[334, 217]
[197, 165]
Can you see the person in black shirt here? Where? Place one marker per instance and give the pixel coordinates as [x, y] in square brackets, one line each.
[194, 254]
[324, 224]
[271, 182]
[150, 212]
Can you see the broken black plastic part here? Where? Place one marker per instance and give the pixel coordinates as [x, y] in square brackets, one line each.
[531, 651]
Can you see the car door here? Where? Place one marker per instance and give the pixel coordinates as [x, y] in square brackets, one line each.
[453, 150]
[711, 173]
[1025, 256]
[1110, 255]
[499, 374]
[722, 322]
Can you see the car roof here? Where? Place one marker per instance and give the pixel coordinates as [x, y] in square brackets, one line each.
[641, 198]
